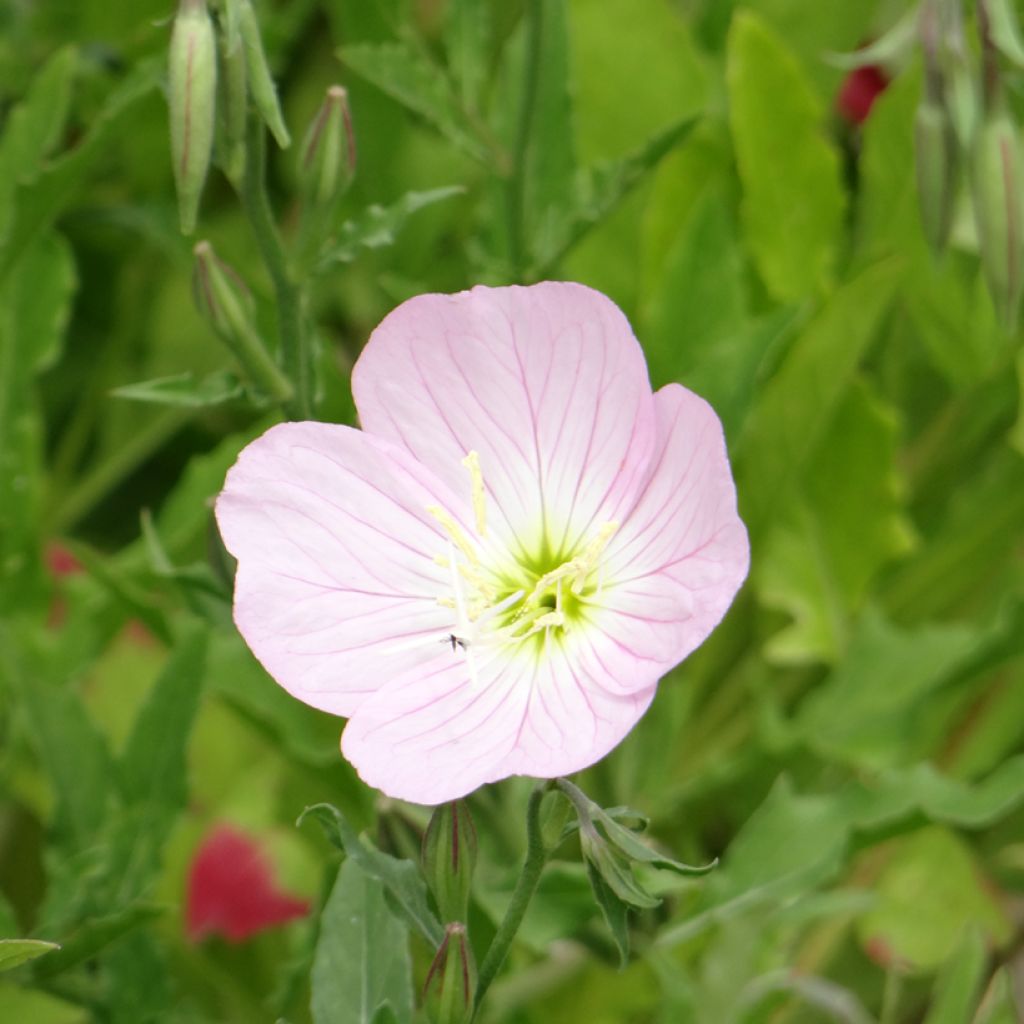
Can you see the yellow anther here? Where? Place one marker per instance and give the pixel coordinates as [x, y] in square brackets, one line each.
[563, 571]
[454, 531]
[591, 553]
[442, 561]
[446, 602]
[472, 463]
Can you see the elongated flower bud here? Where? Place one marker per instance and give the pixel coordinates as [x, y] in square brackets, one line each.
[327, 161]
[997, 186]
[228, 306]
[935, 155]
[233, 105]
[192, 98]
[449, 858]
[261, 83]
[451, 981]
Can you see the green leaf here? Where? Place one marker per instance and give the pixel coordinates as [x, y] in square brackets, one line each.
[33, 128]
[468, 46]
[402, 879]
[929, 895]
[409, 77]
[959, 983]
[184, 391]
[844, 524]
[376, 227]
[865, 710]
[37, 204]
[793, 199]
[15, 952]
[999, 1005]
[614, 910]
[95, 935]
[598, 191]
[797, 404]
[362, 957]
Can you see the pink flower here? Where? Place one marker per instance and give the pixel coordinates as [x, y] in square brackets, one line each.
[491, 577]
[231, 890]
[859, 90]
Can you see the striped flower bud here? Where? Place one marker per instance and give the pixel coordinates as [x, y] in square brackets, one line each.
[192, 99]
[327, 161]
[451, 980]
[449, 858]
[233, 102]
[997, 186]
[261, 83]
[935, 155]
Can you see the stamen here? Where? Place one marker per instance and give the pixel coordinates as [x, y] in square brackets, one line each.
[472, 463]
[454, 531]
[591, 553]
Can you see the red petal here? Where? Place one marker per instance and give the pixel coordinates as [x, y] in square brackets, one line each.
[231, 889]
[859, 91]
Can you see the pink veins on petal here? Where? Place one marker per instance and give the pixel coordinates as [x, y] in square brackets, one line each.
[489, 578]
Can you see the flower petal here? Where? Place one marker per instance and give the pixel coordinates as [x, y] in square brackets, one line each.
[547, 384]
[437, 734]
[337, 587]
[678, 560]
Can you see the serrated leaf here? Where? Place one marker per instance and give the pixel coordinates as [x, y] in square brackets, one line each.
[15, 952]
[376, 227]
[407, 76]
[184, 391]
[362, 960]
[793, 199]
[598, 192]
[401, 879]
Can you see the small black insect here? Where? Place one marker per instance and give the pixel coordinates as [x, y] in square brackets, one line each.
[456, 642]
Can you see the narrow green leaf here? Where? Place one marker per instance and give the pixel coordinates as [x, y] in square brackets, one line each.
[15, 952]
[95, 935]
[959, 983]
[362, 960]
[793, 199]
[614, 911]
[376, 227]
[468, 45]
[409, 77]
[401, 879]
[183, 390]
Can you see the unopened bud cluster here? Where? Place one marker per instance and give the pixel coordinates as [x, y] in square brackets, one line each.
[215, 67]
[966, 134]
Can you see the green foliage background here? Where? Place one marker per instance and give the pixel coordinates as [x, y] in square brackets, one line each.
[850, 741]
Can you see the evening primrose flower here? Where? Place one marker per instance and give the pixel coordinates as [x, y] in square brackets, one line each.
[489, 578]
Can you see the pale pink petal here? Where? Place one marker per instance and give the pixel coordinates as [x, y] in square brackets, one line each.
[547, 384]
[677, 561]
[439, 733]
[337, 586]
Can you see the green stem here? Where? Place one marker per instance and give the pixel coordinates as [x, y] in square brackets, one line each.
[113, 471]
[536, 858]
[517, 182]
[295, 349]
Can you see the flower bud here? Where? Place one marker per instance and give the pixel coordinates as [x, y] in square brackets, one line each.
[327, 161]
[997, 186]
[935, 155]
[233, 104]
[192, 99]
[261, 84]
[449, 858]
[451, 981]
[227, 305]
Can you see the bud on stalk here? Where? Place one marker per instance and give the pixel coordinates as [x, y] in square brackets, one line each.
[997, 186]
[234, 104]
[192, 98]
[935, 154]
[327, 161]
[261, 83]
[227, 305]
[449, 858]
[451, 981]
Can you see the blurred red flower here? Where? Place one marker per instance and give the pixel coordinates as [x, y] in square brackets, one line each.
[231, 889]
[859, 90]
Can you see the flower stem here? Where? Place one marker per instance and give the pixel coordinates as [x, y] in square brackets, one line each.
[517, 182]
[295, 350]
[536, 858]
